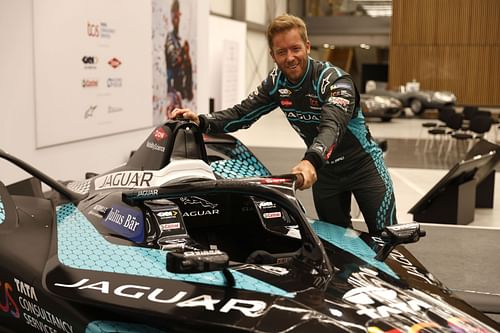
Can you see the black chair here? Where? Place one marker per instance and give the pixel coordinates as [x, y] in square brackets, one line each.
[484, 113]
[494, 120]
[469, 111]
[480, 125]
[440, 130]
[457, 134]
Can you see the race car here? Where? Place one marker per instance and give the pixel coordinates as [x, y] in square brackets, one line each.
[420, 100]
[383, 107]
[193, 234]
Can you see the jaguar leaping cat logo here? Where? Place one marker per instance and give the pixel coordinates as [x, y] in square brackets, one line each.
[198, 201]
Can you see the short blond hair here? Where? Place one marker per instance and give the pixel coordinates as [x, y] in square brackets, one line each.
[283, 23]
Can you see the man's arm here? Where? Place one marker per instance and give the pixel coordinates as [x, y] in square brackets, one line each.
[340, 102]
[340, 99]
[232, 119]
[242, 115]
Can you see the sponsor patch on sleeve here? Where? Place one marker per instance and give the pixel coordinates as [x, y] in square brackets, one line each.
[342, 93]
[339, 102]
[341, 85]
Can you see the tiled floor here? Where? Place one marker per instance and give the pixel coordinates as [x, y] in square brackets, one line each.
[415, 168]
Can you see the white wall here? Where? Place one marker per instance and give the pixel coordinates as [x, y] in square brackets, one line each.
[221, 7]
[17, 104]
[17, 110]
[257, 64]
[228, 89]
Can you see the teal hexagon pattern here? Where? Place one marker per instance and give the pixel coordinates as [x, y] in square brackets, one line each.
[348, 240]
[81, 246]
[230, 169]
[242, 164]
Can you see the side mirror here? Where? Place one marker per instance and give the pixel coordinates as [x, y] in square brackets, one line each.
[197, 261]
[398, 234]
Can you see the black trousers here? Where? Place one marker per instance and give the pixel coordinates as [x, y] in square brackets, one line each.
[369, 182]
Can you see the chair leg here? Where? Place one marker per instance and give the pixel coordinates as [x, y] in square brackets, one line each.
[449, 145]
[469, 146]
[441, 144]
[426, 145]
[418, 138]
[457, 146]
[431, 145]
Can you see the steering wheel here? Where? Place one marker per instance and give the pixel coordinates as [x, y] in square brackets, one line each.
[261, 257]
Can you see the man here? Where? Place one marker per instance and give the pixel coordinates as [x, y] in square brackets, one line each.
[321, 103]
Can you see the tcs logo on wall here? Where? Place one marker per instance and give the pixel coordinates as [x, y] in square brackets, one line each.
[93, 30]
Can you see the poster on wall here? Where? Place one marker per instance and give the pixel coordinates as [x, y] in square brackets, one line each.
[92, 68]
[227, 61]
[175, 54]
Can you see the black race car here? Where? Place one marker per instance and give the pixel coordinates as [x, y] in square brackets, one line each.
[196, 236]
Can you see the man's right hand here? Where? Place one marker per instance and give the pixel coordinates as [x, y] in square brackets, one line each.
[185, 114]
[308, 172]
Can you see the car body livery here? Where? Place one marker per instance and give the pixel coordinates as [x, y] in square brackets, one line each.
[178, 240]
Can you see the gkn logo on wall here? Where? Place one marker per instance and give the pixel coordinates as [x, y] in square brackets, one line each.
[90, 62]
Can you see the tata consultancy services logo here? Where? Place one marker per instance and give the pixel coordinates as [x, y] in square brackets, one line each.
[99, 30]
[93, 29]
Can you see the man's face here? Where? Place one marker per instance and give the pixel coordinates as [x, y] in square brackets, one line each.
[176, 17]
[290, 54]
